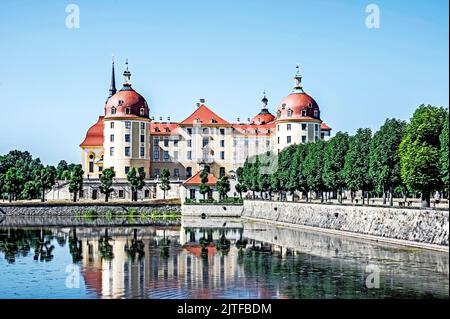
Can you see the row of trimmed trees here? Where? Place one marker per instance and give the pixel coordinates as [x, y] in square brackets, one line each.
[399, 159]
[22, 177]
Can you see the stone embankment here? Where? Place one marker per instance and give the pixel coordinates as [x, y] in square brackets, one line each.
[429, 227]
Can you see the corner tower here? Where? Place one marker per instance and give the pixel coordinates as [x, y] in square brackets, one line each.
[126, 129]
[298, 118]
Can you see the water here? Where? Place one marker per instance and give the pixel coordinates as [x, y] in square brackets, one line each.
[210, 259]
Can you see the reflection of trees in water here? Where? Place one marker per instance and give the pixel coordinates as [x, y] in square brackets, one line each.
[18, 242]
[75, 247]
[104, 246]
[307, 276]
[164, 245]
[136, 248]
[43, 249]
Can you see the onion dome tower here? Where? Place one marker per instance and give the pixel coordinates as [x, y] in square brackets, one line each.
[126, 128]
[298, 117]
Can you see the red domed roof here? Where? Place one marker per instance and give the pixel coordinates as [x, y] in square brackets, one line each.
[94, 136]
[126, 99]
[263, 117]
[293, 105]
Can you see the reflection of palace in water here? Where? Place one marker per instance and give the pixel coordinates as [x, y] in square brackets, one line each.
[172, 262]
[217, 258]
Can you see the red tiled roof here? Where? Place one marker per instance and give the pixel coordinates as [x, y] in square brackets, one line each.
[126, 99]
[158, 128]
[94, 136]
[203, 115]
[296, 103]
[196, 180]
[325, 127]
[255, 129]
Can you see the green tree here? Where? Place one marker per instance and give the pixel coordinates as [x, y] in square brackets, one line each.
[204, 187]
[13, 182]
[312, 167]
[333, 163]
[240, 188]
[284, 168]
[223, 187]
[443, 139]
[420, 151]
[61, 170]
[76, 181]
[106, 182]
[254, 175]
[46, 179]
[356, 166]
[165, 181]
[296, 181]
[136, 180]
[384, 159]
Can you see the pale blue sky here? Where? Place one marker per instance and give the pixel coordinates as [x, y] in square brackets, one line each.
[54, 80]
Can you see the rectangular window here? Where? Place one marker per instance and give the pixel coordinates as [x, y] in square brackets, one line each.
[303, 126]
[91, 167]
[111, 151]
[288, 127]
[127, 169]
[142, 152]
[127, 124]
[189, 143]
[222, 172]
[278, 127]
[127, 151]
[146, 193]
[222, 143]
[288, 139]
[156, 153]
[316, 127]
[127, 138]
[205, 141]
[142, 138]
[303, 139]
[222, 155]
[192, 193]
[166, 142]
[189, 131]
[176, 172]
[278, 140]
[175, 143]
[100, 168]
[222, 131]
[268, 143]
[166, 156]
[189, 155]
[121, 193]
[155, 142]
[188, 172]
[111, 138]
[142, 126]
[111, 125]
[304, 113]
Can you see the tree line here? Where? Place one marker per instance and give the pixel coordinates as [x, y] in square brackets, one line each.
[398, 160]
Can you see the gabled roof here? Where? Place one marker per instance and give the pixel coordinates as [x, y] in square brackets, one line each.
[94, 136]
[195, 180]
[159, 128]
[203, 115]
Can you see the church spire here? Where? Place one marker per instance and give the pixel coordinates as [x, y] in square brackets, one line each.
[112, 89]
[298, 87]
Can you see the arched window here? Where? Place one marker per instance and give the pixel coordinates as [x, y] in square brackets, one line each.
[278, 113]
[316, 113]
[142, 112]
[289, 113]
[91, 163]
[127, 110]
[113, 110]
[120, 102]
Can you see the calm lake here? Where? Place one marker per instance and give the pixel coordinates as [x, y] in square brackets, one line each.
[209, 259]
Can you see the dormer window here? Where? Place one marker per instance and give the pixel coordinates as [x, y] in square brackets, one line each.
[167, 129]
[113, 110]
[127, 110]
[120, 102]
[316, 113]
[289, 113]
[278, 113]
[283, 106]
[303, 112]
[142, 111]
[310, 105]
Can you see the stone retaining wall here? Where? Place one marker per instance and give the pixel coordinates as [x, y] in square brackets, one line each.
[417, 225]
[72, 210]
[212, 210]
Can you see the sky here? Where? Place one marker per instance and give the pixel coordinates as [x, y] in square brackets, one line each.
[55, 80]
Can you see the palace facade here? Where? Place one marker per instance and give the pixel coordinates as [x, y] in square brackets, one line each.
[126, 136]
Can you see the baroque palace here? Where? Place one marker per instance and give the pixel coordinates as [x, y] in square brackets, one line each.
[126, 136]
